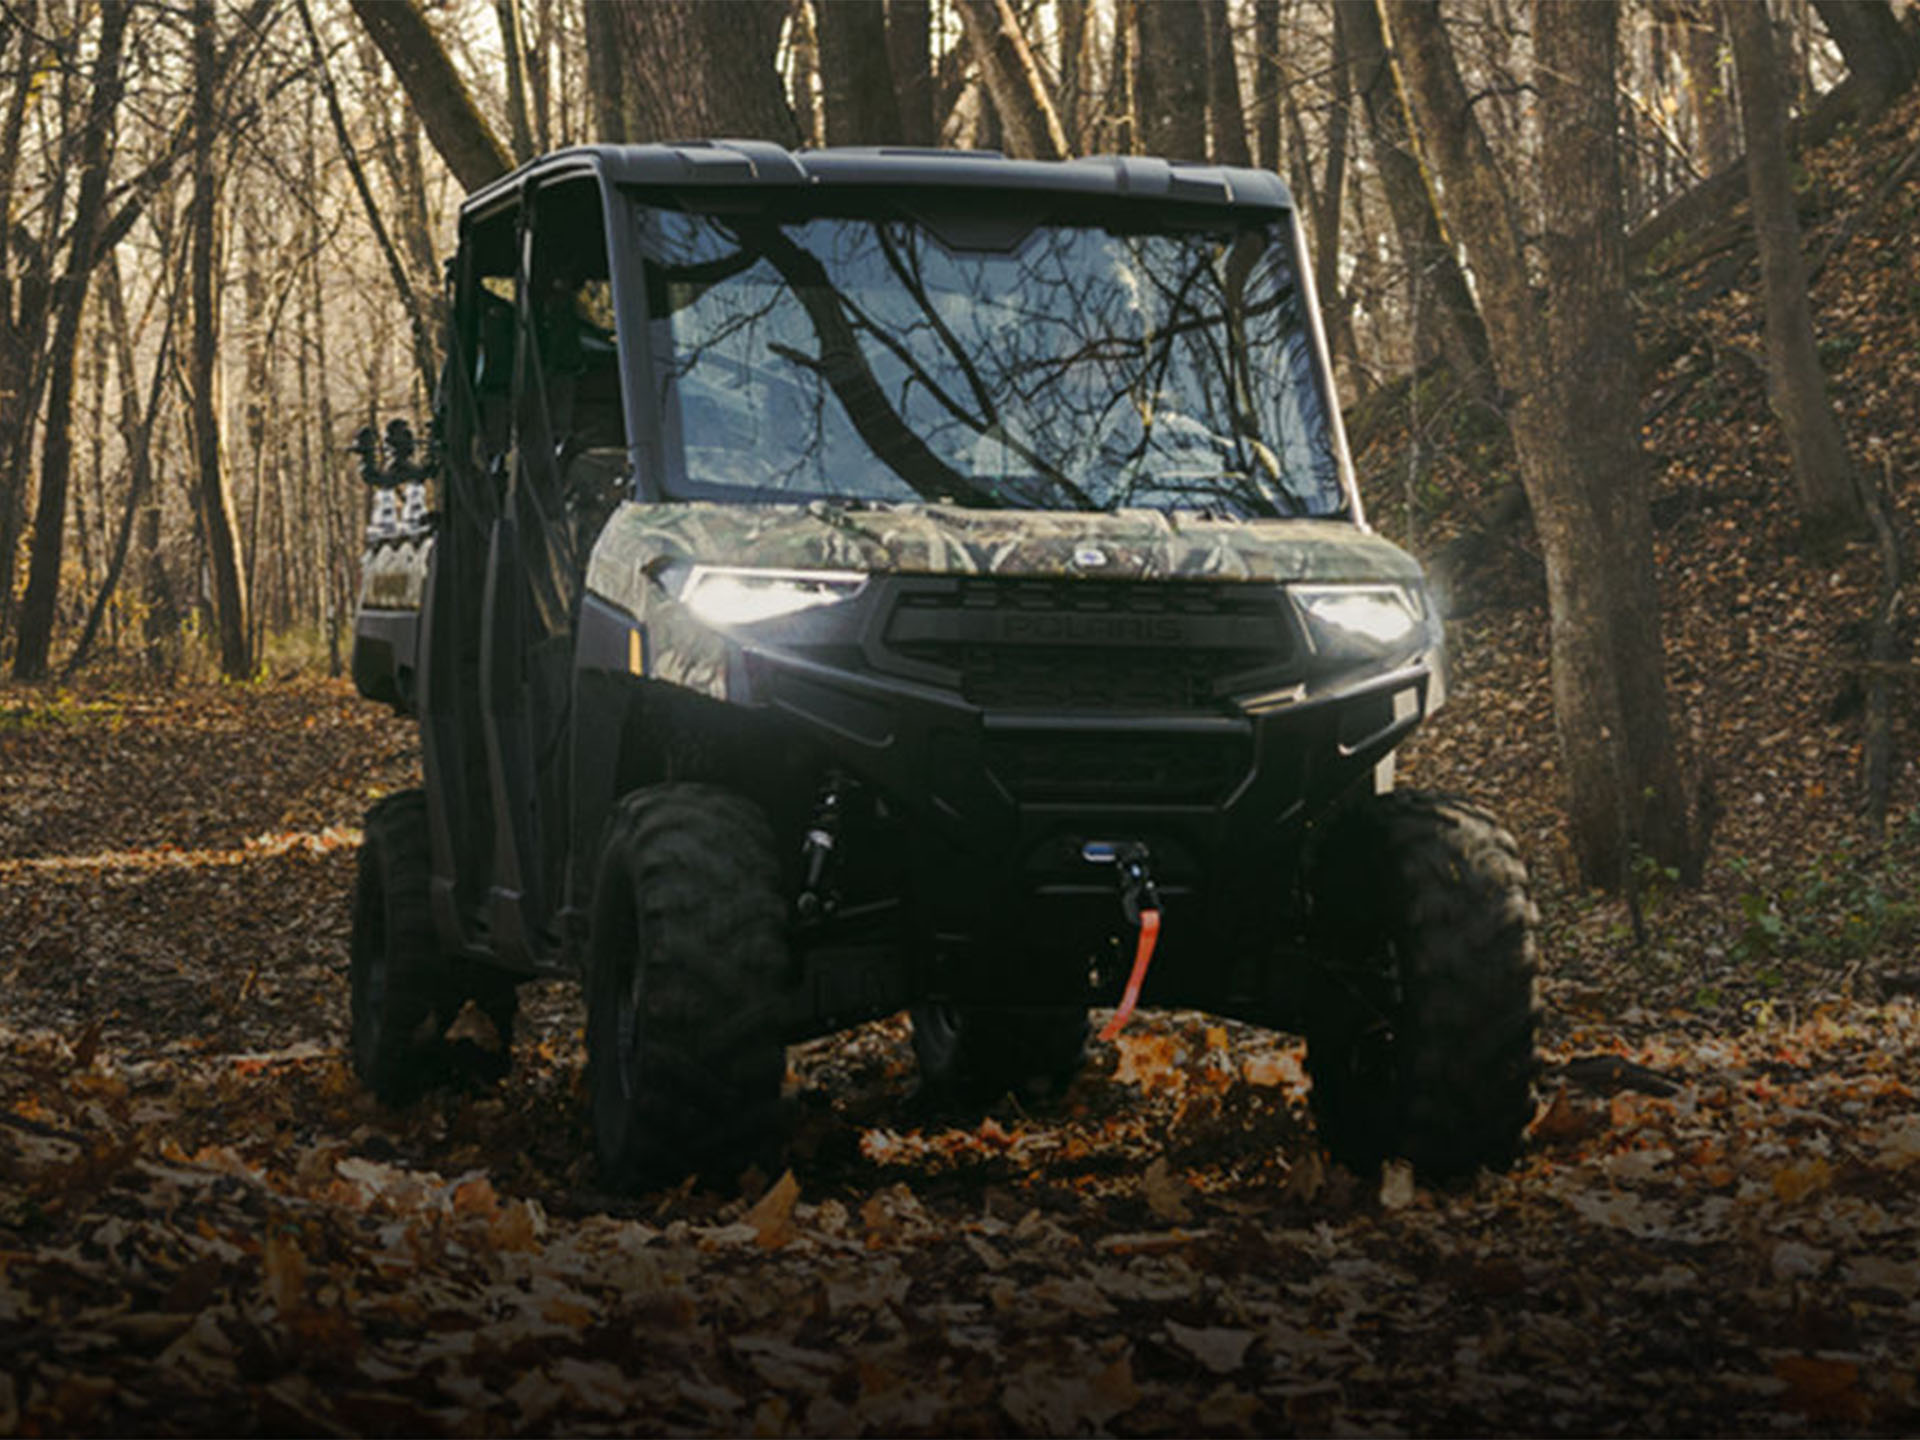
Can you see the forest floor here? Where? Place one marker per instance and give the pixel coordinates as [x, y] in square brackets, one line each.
[206, 1228]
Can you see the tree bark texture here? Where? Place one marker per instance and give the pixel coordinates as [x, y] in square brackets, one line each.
[1449, 313]
[1078, 64]
[26, 298]
[856, 80]
[1229, 116]
[1030, 126]
[1796, 385]
[1171, 79]
[1327, 214]
[688, 70]
[910, 61]
[1877, 51]
[455, 126]
[1708, 89]
[56, 456]
[1121, 127]
[803, 60]
[209, 451]
[1569, 367]
[1267, 83]
[513, 54]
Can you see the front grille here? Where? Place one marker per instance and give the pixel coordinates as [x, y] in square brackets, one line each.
[1150, 647]
[1118, 769]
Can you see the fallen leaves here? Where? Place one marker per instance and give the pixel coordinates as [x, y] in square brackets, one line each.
[772, 1215]
[1166, 1192]
[1218, 1349]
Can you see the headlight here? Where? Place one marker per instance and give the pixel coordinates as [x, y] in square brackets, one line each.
[721, 595]
[1361, 621]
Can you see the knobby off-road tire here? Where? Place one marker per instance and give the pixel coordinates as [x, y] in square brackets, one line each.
[971, 1055]
[403, 991]
[1420, 1016]
[687, 954]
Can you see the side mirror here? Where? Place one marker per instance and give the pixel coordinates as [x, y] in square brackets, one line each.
[399, 487]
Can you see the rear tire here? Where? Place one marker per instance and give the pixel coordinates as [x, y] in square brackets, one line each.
[404, 993]
[971, 1055]
[1420, 1016]
[686, 957]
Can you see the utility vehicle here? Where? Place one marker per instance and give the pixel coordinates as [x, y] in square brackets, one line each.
[860, 580]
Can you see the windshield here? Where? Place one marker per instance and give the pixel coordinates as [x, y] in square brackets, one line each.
[1073, 367]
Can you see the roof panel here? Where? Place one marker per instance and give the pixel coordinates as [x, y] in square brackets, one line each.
[754, 162]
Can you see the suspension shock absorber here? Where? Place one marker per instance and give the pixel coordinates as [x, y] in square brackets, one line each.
[820, 851]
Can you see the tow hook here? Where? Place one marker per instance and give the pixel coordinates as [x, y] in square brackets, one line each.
[1139, 907]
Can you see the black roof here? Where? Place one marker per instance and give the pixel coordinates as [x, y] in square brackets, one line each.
[757, 162]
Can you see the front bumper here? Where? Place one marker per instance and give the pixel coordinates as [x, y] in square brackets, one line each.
[1010, 725]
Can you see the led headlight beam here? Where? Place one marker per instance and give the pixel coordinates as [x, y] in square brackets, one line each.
[1360, 620]
[727, 595]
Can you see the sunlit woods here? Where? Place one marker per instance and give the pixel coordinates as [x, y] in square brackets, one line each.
[225, 225]
[306, 338]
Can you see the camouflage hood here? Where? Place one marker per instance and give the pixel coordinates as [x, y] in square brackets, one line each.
[945, 540]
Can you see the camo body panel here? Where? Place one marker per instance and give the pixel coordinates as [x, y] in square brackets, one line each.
[393, 575]
[944, 540]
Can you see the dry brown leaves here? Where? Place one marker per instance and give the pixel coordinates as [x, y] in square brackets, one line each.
[204, 1226]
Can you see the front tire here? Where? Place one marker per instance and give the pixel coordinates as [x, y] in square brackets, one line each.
[403, 990]
[1420, 1018]
[686, 957]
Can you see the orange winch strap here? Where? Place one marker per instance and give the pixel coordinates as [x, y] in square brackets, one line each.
[1142, 957]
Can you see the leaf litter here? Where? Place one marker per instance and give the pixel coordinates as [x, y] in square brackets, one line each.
[205, 1226]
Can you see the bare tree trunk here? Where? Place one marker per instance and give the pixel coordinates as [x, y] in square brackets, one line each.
[513, 54]
[257, 378]
[1171, 79]
[805, 82]
[458, 130]
[1267, 78]
[136, 429]
[1123, 90]
[1877, 51]
[910, 61]
[1014, 80]
[327, 601]
[1228, 115]
[1327, 217]
[399, 153]
[27, 262]
[1708, 91]
[1796, 385]
[1075, 69]
[216, 497]
[682, 69]
[855, 78]
[1570, 367]
[1449, 313]
[56, 455]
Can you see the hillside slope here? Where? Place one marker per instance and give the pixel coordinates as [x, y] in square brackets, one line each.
[1765, 647]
